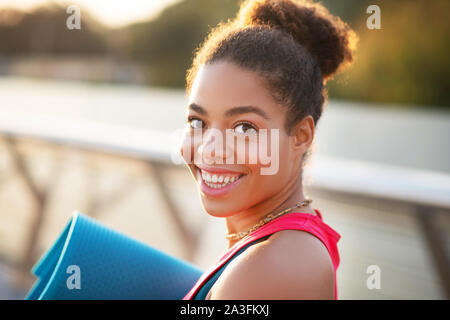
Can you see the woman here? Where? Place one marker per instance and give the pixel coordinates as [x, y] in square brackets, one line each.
[264, 70]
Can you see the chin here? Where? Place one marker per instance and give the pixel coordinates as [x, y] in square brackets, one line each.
[218, 210]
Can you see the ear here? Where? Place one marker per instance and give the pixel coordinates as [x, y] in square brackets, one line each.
[303, 134]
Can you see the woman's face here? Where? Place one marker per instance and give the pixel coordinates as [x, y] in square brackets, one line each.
[224, 96]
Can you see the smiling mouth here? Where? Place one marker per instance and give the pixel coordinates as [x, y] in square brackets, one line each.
[218, 180]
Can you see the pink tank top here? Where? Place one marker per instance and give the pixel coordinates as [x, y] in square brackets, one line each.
[313, 224]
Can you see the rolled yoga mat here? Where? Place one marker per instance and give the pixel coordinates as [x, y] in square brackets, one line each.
[91, 261]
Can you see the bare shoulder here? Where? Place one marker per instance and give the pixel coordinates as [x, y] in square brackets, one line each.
[291, 264]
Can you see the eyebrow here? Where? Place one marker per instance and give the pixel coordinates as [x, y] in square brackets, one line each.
[233, 111]
[197, 108]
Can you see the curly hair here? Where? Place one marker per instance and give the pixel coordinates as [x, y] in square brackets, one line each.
[295, 46]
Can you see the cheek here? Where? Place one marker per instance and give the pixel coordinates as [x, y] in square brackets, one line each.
[272, 153]
[274, 166]
[188, 147]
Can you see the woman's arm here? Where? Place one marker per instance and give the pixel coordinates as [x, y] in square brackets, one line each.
[291, 264]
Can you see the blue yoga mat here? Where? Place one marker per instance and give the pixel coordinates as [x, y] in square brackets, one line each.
[91, 261]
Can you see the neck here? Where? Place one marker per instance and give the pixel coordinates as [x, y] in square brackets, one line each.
[288, 197]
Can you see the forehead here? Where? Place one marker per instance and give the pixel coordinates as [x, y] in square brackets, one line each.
[223, 85]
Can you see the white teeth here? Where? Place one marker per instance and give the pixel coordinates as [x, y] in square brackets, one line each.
[215, 181]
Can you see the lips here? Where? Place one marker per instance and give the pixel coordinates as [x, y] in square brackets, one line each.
[218, 181]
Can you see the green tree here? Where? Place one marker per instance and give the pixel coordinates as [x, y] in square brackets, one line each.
[166, 44]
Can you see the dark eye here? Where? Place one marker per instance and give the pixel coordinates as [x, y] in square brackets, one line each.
[245, 128]
[196, 123]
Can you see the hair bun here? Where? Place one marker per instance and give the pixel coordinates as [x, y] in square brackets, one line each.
[328, 39]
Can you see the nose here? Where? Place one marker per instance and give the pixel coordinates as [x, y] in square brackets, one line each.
[214, 148]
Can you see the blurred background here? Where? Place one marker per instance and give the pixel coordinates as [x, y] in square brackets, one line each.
[88, 120]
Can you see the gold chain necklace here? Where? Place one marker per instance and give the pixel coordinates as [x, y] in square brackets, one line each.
[266, 219]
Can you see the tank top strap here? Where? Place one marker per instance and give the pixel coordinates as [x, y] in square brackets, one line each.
[291, 221]
[202, 293]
